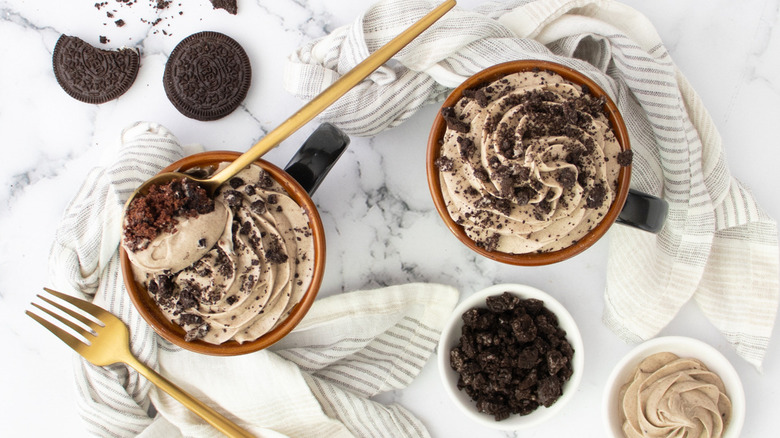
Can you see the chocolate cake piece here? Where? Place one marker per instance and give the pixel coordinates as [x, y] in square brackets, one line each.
[207, 76]
[93, 75]
[157, 211]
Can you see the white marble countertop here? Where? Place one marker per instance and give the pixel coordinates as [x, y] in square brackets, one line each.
[380, 223]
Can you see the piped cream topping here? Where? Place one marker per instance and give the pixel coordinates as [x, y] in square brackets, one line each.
[529, 163]
[669, 396]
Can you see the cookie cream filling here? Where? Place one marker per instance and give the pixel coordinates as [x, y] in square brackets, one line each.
[670, 396]
[529, 163]
[244, 283]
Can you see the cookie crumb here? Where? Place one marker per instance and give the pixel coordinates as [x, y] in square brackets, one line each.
[625, 158]
[228, 5]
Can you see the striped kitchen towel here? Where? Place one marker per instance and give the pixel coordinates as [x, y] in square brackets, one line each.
[316, 382]
[718, 246]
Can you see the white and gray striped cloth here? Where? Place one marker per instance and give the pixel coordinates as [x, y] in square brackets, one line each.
[718, 247]
[316, 382]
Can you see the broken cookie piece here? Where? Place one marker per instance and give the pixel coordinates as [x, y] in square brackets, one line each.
[93, 75]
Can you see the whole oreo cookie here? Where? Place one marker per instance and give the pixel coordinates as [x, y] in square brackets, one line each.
[90, 74]
[207, 76]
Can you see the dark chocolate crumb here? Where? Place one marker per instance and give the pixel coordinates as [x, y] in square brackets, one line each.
[481, 174]
[524, 194]
[625, 158]
[275, 253]
[489, 243]
[265, 180]
[567, 177]
[199, 332]
[229, 5]
[233, 198]
[444, 164]
[190, 319]
[596, 196]
[453, 122]
[236, 182]
[258, 206]
[478, 95]
[467, 147]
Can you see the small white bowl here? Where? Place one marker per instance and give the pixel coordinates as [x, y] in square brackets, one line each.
[683, 347]
[451, 334]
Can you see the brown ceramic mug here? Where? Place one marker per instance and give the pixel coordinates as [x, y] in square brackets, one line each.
[300, 179]
[629, 207]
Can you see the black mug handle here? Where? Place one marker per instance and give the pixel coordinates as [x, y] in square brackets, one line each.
[317, 156]
[643, 211]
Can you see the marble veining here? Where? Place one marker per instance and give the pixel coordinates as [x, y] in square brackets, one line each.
[380, 223]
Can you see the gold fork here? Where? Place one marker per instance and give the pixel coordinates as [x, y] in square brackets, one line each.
[109, 343]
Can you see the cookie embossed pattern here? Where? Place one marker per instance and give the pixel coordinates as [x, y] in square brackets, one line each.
[93, 75]
[207, 76]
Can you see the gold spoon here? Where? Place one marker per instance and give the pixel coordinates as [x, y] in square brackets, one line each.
[308, 111]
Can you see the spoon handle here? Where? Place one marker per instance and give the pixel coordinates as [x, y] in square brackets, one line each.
[331, 94]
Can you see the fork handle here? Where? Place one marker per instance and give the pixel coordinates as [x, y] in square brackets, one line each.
[205, 412]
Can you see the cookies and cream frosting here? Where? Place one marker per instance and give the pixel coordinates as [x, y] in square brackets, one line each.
[529, 163]
[670, 396]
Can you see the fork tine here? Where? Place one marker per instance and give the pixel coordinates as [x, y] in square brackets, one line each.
[86, 306]
[72, 341]
[95, 326]
[63, 320]
[96, 311]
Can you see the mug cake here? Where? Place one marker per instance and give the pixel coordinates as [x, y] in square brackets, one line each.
[529, 162]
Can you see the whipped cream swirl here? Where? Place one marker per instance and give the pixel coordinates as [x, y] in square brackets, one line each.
[241, 283]
[529, 163]
[670, 396]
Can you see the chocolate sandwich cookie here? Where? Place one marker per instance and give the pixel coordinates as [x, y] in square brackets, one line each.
[90, 74]
[207, 76]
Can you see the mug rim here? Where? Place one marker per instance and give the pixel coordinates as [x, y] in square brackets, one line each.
[173, 333]
[438, 129]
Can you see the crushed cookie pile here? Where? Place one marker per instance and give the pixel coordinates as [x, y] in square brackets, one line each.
[512, 357]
